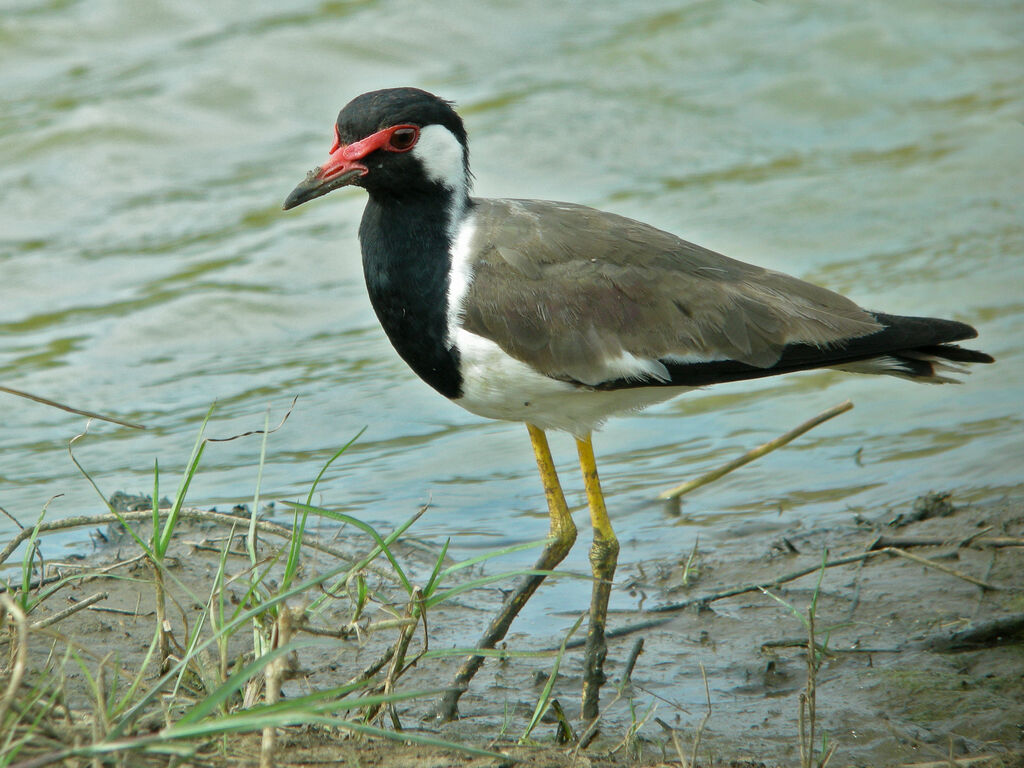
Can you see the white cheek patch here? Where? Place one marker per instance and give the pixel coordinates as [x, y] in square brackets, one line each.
[441, 156]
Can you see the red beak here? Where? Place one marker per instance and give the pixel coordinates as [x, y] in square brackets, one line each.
[341, 169]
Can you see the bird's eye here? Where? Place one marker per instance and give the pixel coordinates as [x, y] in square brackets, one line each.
[403, 138]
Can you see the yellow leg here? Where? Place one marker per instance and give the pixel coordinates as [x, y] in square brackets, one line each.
[563, 529]
[563, 535]
[604, 554]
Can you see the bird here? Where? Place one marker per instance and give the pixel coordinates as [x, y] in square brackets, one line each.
[560, 316]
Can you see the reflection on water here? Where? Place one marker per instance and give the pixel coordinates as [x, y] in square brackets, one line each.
[148, 270]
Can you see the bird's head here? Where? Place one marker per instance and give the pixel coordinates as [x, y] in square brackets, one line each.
[395, 142]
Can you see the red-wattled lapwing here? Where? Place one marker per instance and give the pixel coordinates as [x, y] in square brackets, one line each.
[560, 316]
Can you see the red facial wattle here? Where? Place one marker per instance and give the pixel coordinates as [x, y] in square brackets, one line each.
[344, 157]
[343, 167]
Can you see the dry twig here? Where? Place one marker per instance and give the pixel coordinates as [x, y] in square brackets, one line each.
[977, 542]
[756, 453]
[89, 601]
[192, 515]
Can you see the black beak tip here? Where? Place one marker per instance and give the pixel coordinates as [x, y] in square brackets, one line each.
[303, 192]
[313, 186]
[310, 187]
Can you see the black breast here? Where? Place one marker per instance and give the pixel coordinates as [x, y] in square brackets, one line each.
[406, 262]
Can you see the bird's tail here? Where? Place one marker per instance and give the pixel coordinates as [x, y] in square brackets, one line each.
[921, 349]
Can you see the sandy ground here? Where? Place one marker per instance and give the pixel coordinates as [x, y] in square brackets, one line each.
[923, 648]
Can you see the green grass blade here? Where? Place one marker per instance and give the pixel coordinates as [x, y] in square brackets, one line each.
[139, 676]
[156, 499]
[179, 498]
[545, 696]
[817, 586]
[235, 683]
[232, 626]
[492, 554]
[440, 597]
[294, 548]
[86, 475]
[789, 606]
[254, 513]
[159, 742]
[26, 566]
[436, 572]
[382, 544]
[339, 452]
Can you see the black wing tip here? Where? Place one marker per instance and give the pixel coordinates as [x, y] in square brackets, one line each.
[936, 336]
[928, 330]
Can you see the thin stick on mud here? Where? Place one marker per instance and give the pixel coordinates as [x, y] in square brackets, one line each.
[940, 567]
[220, 518]
[792, 576]
[974, 542]
[81, 606]
[756, 453]
[634, 654]
[375, 666]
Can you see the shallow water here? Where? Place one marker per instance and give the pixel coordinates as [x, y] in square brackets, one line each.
[148, 271]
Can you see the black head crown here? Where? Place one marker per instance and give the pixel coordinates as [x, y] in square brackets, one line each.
[373, 111]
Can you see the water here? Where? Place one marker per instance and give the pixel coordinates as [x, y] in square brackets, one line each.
[148, 271]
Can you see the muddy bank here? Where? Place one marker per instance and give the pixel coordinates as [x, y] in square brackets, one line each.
[920, 630]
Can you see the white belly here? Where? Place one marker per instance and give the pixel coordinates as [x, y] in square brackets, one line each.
[497, 386]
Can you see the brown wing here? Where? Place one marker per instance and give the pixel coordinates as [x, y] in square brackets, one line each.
[588, 296]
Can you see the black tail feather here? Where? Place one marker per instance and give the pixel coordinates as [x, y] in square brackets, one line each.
[957, 354]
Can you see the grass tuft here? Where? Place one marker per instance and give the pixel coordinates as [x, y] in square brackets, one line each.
[219, 666]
